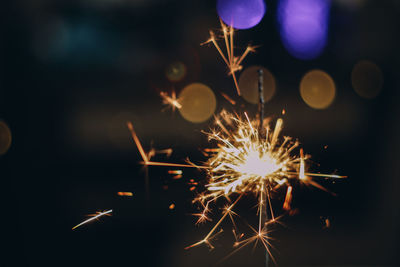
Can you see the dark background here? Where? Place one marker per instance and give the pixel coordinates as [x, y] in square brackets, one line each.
[74, 71]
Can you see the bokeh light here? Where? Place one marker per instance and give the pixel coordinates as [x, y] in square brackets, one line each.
[317, 89]
[248, 84]
[5, 138]
[198, 102]
[175, 71]
[367, 79]
[241, 14]
[304, 26]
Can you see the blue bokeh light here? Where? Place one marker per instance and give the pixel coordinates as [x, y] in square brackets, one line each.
[304, 26]
[241, 14]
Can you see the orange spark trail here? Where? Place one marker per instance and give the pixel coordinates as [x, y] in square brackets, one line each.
[146, 160]
[288, 198]
[137, 142]
[230, 100]
[95, 216]
[125, 194]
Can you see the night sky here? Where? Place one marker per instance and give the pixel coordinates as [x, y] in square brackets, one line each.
[73, 72]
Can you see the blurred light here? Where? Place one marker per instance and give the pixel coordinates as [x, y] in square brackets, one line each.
[5, 138]
[172, 206]
[198, 102]
[367, 79]
[304, 26]
[317, 89]
[125, 194]
[175, 171]
[241, 14]
[176, 71]
[248, 84]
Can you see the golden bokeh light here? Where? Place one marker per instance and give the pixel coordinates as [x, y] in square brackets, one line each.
[248, 84]
[317, 89]
[367, 79]
[5, 138]
[176, 71]
[198, 102]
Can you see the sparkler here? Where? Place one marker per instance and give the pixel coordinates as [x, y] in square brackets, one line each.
[232, 62]
[95, 216]
[252, 159]
[249, 159]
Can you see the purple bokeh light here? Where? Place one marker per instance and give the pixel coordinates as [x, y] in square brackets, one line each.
[304, 26]
[241, 14]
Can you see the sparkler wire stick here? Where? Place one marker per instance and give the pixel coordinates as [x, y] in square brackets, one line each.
[261, 96]
[263, 193]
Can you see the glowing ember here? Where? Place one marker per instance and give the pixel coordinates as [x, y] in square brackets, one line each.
[125, 194]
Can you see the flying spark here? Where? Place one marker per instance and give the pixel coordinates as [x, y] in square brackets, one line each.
[228, 98]
[146, 159]
[170, 100]
[125, 194]
[95, 216]
[232, 62]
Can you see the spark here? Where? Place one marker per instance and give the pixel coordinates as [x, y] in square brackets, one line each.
[228, 98]
[288, 198]
[170, 100]
[211, 149]
[95, 216]
[167, 152]
[232, 62]
[178, 172]
[207, 238]
[327, 223]
[125, 194]
[203, 215]
[145, 158]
